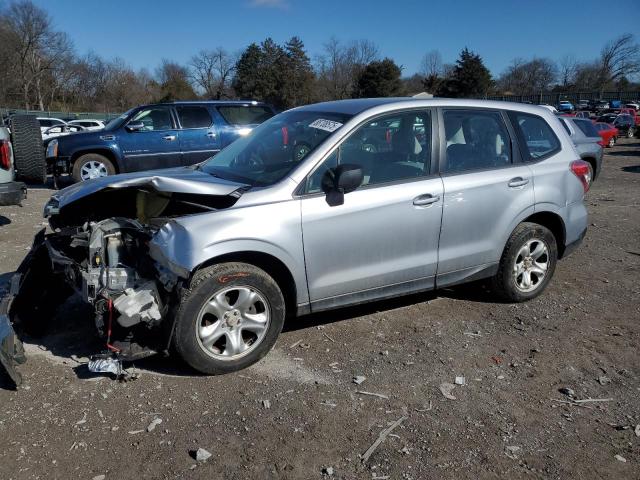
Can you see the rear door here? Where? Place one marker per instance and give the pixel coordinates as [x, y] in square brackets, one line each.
[199, 137]
[156, 145]
[485, 189]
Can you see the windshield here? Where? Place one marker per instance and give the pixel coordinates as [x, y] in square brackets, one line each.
[118, 121]
[273, 149]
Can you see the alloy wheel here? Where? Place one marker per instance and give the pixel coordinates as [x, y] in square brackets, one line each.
[93, 169]
[233, 322]
[531, 265]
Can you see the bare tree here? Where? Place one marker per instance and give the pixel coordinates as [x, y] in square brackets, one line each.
[431, 64]
[620, 58]
[525, 77]
[568, 69]
[37, 47]
[211, 71]
[341, 64]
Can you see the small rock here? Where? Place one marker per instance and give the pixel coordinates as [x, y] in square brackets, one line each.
[405, 450]
[327, 471]
[266, 403]
[460, 381]
[99, 477]
[512, 451]
[154, 423]
[201, 455]
[637, 430]
[620, 458]
[604, 380]
[567, 391]
[358, 379]
[446, 389]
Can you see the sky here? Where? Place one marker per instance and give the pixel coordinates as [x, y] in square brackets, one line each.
[142, 32]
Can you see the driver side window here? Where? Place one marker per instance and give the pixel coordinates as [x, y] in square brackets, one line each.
[389, 148]
[155, 118]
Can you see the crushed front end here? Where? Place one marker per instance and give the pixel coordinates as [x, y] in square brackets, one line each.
[99, 248]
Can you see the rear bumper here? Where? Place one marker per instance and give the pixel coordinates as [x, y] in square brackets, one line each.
[571, 247]
[12, 193]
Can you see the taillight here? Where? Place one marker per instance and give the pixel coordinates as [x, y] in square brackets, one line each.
[5, 155]
[582, 170]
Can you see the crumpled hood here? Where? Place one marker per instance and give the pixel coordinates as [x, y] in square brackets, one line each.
[174, 180]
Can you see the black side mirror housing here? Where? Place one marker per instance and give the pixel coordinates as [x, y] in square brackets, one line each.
[343, 179]
[135, 126]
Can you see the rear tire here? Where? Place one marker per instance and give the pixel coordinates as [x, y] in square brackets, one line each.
[530, 253]
[90, 164]
[208, 310]
[28, 149]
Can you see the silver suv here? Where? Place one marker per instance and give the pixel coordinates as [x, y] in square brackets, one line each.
[320, 207]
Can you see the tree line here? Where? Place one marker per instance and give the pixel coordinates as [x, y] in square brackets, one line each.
[41, 69]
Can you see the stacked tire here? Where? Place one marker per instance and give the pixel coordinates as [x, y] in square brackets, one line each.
[28, 151]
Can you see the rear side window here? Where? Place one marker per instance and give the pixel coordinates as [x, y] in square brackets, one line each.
[535, 134]
[586, 126]
[476, 139]
[194, 117]
[245, 114]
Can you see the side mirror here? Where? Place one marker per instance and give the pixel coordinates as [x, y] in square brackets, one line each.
[135, 126]
[343, 179]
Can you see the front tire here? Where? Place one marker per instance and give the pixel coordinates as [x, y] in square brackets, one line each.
[527, 264]
[229, 318]
[92, 165]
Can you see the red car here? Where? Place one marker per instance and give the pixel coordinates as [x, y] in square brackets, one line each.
[608, 133]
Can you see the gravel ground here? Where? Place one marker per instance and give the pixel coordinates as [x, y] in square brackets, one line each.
[298, 414]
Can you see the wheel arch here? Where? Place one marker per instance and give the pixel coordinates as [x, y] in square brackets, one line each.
[594, 164]
[106, 152]
[554, 223]
[273, 266]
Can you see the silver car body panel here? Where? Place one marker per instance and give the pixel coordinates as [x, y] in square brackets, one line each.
[378, 241]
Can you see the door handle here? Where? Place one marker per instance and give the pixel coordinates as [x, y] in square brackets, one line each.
[518, 182]
[211, 134]
[170, 138]
[426, 199]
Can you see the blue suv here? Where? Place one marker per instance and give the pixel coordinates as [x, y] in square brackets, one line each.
[155, 136]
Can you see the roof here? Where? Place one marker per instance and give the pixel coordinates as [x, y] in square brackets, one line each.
[357, 106]
[211, 102]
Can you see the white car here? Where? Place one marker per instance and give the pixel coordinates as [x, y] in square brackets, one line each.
[48, 122]
[89, 123]
[61, 130]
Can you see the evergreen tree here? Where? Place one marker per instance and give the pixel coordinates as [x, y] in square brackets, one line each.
[247, 73]
[298, 75]
[379, 79]
[469, 78]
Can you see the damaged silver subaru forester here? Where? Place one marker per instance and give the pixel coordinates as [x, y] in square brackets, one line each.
[320, 207]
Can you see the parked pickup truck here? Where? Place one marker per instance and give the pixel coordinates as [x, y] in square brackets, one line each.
[155, 136]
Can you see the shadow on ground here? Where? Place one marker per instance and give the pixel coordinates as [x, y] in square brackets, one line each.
[632, 169]
[71, 338]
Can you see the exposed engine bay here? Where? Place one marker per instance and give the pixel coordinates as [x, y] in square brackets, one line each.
[99, 249]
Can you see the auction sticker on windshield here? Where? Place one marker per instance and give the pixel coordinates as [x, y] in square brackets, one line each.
[327, 125]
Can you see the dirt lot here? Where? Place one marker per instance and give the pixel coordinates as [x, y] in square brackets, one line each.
[298, 414]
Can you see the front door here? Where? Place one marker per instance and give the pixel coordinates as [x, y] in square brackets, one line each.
[199, 138]
[156, 145]
[384, 239]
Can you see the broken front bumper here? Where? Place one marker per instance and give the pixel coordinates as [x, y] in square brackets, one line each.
[11, 349]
